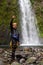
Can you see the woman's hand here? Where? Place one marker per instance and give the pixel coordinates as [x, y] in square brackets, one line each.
[10, 44]
[13, 16]
[18, 43]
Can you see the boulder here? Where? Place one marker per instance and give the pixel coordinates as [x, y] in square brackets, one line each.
[22, 60]
[2, 63]
[26, 49]
[38, 54]
[1, 50]
[41, 63]
[15, 63]
[31, 60]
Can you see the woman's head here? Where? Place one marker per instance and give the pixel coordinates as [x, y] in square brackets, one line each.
[14, 25]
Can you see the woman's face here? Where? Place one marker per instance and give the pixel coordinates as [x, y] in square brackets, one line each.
[14, 25]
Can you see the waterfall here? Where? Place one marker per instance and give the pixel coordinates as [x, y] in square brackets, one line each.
[30, 33]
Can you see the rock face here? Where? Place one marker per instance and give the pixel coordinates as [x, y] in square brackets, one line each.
[15, 63]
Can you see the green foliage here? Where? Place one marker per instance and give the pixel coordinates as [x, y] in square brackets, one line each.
[32, 1]
[7, 9]
[38, 7]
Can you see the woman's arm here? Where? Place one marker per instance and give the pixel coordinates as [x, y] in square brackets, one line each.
[11, 28]
[12, 19]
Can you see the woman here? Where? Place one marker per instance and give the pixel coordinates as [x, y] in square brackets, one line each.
[14, 37]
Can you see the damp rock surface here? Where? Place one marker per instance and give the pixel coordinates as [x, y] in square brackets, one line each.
[2, 63]
[31, 60]
[15, 63]
[24, 57]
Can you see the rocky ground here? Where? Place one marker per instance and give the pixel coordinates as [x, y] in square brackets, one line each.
[23, 56]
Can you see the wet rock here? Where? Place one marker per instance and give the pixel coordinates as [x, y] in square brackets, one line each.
[41, 63]
[1, 50]
[1, 59]
[22, 60]
[26, 49]
[38, 54]
[19, 57]
[41, 54]
[28, 57]
[9, 60]
[15, 63]
[36, 50]
[24, 64]
[42, 50]
[2, 63]
[31, 60]
[5, 54]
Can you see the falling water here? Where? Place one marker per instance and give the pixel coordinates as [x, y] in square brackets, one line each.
[30, 33]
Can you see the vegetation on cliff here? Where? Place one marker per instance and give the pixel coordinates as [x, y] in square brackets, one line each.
[7, 9]
[38, 8]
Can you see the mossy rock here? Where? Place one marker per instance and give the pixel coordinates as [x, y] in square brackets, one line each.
[41, 63]
[31, 60]
[15, 63]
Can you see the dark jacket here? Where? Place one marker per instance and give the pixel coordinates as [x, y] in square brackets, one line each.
[14, 34]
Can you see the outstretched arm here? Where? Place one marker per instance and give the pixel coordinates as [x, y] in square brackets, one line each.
[11, 22]
[12, 19]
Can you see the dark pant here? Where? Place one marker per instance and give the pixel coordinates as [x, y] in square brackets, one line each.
[13, 51]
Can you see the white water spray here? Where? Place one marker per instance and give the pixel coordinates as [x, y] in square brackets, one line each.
[28, 19]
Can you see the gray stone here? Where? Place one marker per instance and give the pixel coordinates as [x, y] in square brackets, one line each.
[22, 60]
[6, 52]
[41, 63]
[31, 60]
[1, 50]
[9, 60]
[15, 63]
[1, 59]
[38, 54]
[24, 64]
[2, 63]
